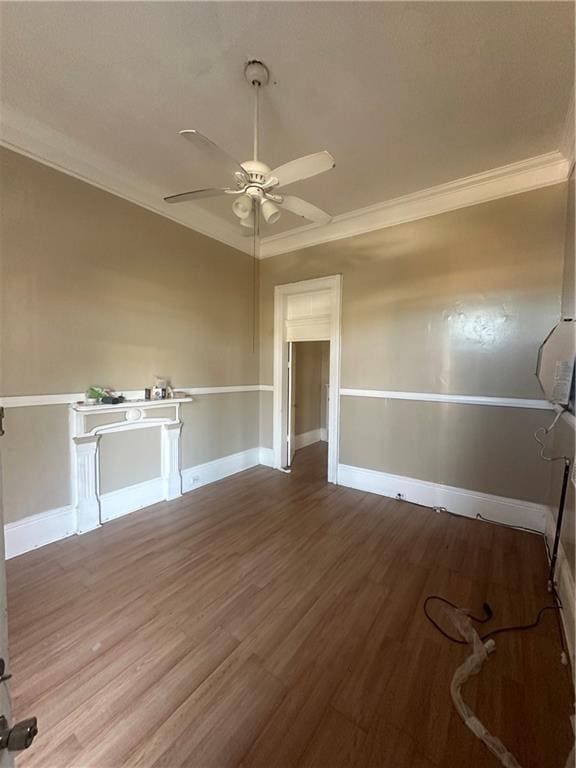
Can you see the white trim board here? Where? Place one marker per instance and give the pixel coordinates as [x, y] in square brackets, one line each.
[515, 178]
[123, 501]
[38, 530]
[211, 471]
[266, 456]
[25, 401]
[431, 397]
[458, 500]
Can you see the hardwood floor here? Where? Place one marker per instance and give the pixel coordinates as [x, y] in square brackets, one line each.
[274, 620]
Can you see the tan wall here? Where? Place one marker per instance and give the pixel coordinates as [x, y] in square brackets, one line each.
[562, 440]
[325, 381]
[569, 276]
[479, 448]
[265, 419]
[562, 444]
[35, 461]
[127, 458]
[309, 385]
[95, 290]
[218, 425]
[35, 455]
[458, 304]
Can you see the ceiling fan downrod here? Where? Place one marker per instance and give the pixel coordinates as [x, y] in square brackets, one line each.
[257, 75]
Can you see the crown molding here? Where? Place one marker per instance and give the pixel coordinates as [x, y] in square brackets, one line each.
[533, 173]
[568, 133]
[50, 147]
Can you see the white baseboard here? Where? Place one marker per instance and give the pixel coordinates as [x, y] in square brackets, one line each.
[47, 527]
[307, 438]
[125, 500]
[566, 589]
[266, 456]
[463, 502]
[202, 474]
[37, 530]
[55, 524]
[324, 434]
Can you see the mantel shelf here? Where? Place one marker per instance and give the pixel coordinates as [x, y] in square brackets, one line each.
[109, 407]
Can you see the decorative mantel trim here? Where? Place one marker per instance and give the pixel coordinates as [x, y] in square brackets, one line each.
[85, 444]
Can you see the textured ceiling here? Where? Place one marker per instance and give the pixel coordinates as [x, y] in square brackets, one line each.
[404, 95]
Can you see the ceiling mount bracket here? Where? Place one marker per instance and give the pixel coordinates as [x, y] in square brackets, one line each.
[256, 73]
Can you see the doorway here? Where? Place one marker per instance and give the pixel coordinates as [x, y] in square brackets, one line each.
[307, 311]
[308, 398]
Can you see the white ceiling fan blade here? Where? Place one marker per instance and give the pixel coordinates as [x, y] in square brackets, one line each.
[214, 152]
[307, 210]
[303, 168]
[196, 194]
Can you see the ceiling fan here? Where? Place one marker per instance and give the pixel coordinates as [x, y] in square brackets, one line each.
[253, 183]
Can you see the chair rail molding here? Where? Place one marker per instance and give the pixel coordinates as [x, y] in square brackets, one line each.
[27, 401]
[437, 397]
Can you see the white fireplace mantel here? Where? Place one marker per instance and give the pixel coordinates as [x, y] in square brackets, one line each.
[130, 415]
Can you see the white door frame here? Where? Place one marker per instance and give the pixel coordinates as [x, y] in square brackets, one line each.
[333, 285]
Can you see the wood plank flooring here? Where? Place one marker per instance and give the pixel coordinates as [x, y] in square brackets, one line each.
[273, 620]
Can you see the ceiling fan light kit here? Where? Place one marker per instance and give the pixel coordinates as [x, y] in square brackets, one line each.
[254, 181]
[270, 211]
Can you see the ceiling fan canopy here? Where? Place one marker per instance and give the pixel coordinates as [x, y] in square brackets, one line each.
[253, 183]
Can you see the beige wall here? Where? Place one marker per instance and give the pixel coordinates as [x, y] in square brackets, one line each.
[563, 437]
[219, 425]
[458, 304]
[95, 290]
[309, 357]
[325, 381]
[127, 458]
[265, 419]
[35, 461]
[569, 276]
[479, 448]
[561, 443]
[35, 449]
